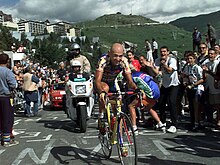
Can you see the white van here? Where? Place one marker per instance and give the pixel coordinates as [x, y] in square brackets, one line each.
[15, 57]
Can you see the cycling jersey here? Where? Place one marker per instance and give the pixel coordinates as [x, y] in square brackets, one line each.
[110, 72]
[147, 84]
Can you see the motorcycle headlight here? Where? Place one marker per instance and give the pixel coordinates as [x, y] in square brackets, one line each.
[80, 89]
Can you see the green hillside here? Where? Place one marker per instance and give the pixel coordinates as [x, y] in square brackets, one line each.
[200, 21]
[165, 34]
[115, 19]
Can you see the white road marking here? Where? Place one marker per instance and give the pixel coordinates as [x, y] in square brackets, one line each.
[96, 149]
[41, 140]
[90, 137]
[31, 134]
[33, 156]
[159, 144]
[1, 151]
[18, 131]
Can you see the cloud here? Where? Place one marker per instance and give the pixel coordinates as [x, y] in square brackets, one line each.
[81, 10]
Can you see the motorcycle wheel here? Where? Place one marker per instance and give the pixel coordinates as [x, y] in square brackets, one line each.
[82, 118]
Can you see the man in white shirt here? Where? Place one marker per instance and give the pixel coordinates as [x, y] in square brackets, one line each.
[169, 88]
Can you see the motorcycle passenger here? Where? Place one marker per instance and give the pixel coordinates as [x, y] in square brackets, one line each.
[76, 71]
[74, 54]
[107, 70]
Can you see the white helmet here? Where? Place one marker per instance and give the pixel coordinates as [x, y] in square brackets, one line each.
[75, 63]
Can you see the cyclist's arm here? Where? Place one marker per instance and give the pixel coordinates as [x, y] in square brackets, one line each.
[98, 78]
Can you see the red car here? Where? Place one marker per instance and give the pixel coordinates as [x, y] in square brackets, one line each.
[57, 91]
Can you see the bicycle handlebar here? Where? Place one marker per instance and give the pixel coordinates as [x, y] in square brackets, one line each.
[121, 93]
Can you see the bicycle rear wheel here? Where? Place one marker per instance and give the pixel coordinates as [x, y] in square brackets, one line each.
[127, 149]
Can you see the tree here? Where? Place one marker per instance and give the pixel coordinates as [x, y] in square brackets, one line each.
[6, 39]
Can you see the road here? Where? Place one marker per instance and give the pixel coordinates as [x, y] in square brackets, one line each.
[53, 139]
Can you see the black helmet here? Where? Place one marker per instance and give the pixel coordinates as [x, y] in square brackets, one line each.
[74, 51]
[74, 46]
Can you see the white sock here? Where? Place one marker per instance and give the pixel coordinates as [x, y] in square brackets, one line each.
[134, 127]
[160, 124]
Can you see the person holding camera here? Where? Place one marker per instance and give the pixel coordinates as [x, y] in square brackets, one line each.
[169, 89]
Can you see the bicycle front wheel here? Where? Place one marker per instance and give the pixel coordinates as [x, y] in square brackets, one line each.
[127, 149]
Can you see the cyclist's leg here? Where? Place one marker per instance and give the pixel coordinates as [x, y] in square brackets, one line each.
[105, 88]
[132, 111]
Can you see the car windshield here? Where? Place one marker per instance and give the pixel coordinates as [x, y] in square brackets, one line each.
[59, 86]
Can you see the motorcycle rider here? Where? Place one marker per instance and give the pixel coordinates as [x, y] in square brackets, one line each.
[74, 54]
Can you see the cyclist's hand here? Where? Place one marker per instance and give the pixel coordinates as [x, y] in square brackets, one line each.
[102, 96]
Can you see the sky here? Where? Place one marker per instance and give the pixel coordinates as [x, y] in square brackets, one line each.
[83, 10]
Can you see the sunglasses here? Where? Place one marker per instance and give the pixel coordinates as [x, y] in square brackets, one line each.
[118, 55]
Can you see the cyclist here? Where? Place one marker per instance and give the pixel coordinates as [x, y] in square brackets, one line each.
[151, 93]
[108, 68]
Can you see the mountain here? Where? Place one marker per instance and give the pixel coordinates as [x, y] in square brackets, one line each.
[200, 21]
[116, 19]
[117, 28]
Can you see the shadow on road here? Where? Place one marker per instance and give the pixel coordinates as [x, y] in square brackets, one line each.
[67, 125]
[154, 160]
[67, 155]
[201, 145]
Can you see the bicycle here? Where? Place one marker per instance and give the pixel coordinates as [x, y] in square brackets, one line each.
[118, 130]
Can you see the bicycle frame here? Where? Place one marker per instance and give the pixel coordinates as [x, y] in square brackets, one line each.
[118, 103]
[121, 133]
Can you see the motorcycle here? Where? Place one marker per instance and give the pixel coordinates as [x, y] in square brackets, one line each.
[80, 100]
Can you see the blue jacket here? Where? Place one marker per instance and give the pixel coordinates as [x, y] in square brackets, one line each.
[7, 81]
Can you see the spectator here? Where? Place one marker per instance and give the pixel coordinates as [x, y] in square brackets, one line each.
[155, 49]
[148, 49]
[211, 35]
[169, 88]
[30, 92]
[193, 74]
[147, 66]
[7, 84]
[210, 67]
[61, 72]
[217, 49]
[203, 53]
[197, 38]
[134, 64]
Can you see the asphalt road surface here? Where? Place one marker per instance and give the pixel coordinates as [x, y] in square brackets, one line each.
[54, 139]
